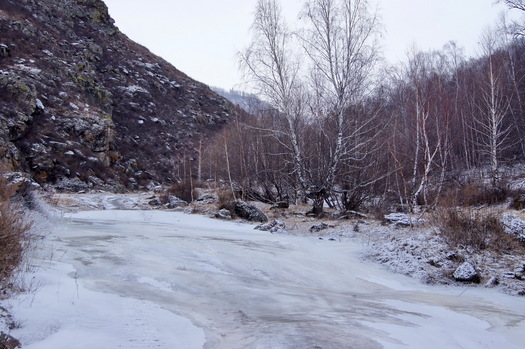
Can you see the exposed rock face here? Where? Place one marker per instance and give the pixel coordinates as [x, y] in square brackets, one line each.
[79, 100]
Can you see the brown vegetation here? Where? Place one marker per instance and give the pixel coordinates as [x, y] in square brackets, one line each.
[478, 229]
[14, 234]
[184, 190]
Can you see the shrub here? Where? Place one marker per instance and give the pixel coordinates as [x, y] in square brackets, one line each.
[518, 202]
[474, 194]
[230, 206]
[224, 197]
[183, 190]
[479, 230]
[14, 233]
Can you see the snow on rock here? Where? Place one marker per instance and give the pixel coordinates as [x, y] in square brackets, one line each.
[155, 201]
[39, 104]
[398, 219]
[275, 226]
[514, 225]
[207, 199]
[223, 214]
[174, 202]
[466, 273]
[520, 270]
[249, 212]
[133, 90]
[318, 227]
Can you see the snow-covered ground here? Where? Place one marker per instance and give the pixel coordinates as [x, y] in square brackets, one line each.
[158, 279]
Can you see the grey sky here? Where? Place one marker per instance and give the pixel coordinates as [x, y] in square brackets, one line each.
[201, 37]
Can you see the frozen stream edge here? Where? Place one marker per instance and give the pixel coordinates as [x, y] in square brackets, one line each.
[135, 279]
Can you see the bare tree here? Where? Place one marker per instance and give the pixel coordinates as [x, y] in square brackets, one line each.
[340, 40]
[493, 107]
[270, 64]
[515, 4]
[517, 28]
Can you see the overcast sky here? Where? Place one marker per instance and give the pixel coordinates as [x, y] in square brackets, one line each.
[201, 37]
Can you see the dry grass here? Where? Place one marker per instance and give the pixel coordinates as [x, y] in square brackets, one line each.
[474, 194]
[14, 236]
[481, 230]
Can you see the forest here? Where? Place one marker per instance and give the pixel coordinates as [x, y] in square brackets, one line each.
[338, 126]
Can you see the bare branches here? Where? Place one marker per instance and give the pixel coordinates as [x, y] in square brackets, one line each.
[270, 62]
[515, 4]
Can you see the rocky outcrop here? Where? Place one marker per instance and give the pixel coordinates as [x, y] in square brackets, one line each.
[79, 101]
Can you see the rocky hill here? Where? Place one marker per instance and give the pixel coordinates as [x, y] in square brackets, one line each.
[83, 106]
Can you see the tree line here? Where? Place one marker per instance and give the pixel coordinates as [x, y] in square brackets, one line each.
[341, 129]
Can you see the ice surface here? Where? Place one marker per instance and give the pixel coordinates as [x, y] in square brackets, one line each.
[142, 279]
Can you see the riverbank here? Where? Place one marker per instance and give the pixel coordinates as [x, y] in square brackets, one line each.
[418, 251]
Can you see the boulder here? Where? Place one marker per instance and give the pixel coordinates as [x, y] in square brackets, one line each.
[514, 226]
[519, 271]
[398, 219]
[223, 214]
[280, 204]
[249, 212]
[466, 273]
[318, 227]
[155, 202]
[174, 202]
[274, 226]
[207, 199]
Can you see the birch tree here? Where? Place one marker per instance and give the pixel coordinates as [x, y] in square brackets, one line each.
[493, 106]
[340, 40]
[270, 65]
[517, 28]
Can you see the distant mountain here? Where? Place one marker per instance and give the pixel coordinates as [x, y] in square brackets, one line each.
[81, 105]
[247, 101]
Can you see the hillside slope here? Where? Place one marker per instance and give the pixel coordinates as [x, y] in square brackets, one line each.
[83, 106]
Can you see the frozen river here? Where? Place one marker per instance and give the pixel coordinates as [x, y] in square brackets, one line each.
[149, 279]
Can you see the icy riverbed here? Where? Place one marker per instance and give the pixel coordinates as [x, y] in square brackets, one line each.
[153, 279]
